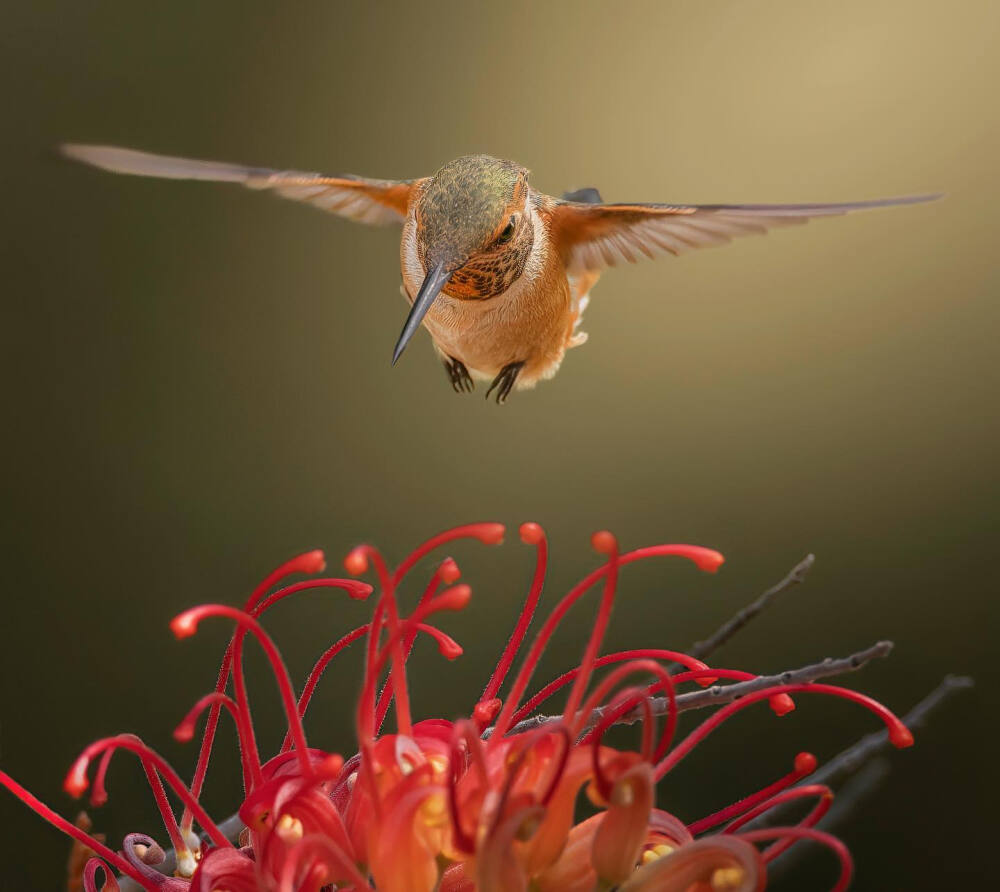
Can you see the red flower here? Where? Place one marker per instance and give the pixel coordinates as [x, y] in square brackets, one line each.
[488, 802]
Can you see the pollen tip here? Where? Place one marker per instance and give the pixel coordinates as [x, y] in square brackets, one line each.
[805, 763]
[900, 736]
[490, 533]
[782, 704]
[450, 650]
[449, 571]
[359, 591]
[486, 710]
[313, 561]
[76, 781]
[184, 732]
[531, 533]
[709, 560]
[184, 625]
[455, 598]
[356, 561]
[604, 542]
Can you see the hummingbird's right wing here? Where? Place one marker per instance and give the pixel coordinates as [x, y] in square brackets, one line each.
[357, 198]
[594, 236]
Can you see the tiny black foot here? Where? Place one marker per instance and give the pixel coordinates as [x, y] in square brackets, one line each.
[504, 382]
[458, 374]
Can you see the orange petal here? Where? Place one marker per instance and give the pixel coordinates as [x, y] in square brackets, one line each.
[622, 833]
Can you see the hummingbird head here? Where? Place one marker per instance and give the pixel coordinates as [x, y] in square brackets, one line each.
[474, 233]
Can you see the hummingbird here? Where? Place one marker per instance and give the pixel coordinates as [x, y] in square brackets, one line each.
[497, 272]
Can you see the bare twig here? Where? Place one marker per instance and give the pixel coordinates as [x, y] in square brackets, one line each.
[865, 761]
[854, 756]
[702, 649]
[717, 695]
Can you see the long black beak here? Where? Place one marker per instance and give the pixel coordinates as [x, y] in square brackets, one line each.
[434, 281]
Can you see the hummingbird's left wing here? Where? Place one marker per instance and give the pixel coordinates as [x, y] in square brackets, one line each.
[357, 198]
[594, 236]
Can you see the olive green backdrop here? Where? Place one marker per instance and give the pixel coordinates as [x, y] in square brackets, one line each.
[197, 383]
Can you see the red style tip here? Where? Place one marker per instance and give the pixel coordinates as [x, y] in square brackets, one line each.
[604, 542]
[488, 533]
[359, 591]
[185, 624]
[449, 648]
[311, 562]
[531, 533]
[356, 561]
[707, 559]
[486, 710]
[455, 598]
[184, 732]
[782, 704]
[805, 763]
[448, 571]
[76, 782]
[900, 736]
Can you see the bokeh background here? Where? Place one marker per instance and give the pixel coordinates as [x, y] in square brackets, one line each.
[196, 379]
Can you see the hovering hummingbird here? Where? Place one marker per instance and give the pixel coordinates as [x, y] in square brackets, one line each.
[497, 272]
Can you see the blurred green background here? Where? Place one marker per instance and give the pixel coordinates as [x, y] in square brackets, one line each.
[197, 380]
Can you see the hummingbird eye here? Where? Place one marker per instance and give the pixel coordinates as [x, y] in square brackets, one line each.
[508, 231]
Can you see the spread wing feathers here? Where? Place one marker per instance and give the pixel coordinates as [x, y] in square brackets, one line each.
[357, 198]
[598, 235]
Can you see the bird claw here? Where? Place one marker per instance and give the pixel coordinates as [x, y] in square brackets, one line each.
[504, 382]
[458, 374]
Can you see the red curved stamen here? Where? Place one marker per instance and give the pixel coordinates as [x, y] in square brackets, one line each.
[90, 869]
[603, 543]
[447, 571]
[99, 793]
[454, 598]
[824, 800]
[487, 533]
[447, 647]
[899, 734]
[796, 833]
[805, 764]
[186, 624]
[619, 656]
[531, 534]
[704, 558]
[310, 561]
[184, 732]
[76, 781]
[666, 683]
[357, 562]
[624, 703]
[70, 829]
[365, 713]
[317, 673]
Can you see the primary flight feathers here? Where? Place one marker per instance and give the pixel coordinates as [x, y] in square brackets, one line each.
[357, 198]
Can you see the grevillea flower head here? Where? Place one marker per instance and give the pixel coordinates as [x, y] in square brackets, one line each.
[504, 798]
